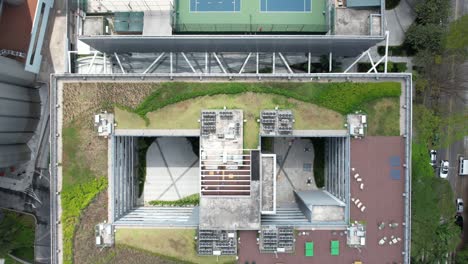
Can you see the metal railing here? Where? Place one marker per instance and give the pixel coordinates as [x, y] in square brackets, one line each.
[254, 28]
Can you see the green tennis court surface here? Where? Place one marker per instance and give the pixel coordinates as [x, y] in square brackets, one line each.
[226, 16]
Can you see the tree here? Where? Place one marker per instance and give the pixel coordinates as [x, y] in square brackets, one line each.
[14, 234]
[426, 124]
[432, 11]
[425, 37]
[462, 256]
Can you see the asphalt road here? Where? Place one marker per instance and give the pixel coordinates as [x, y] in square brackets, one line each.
[451, 104]
[457, 104]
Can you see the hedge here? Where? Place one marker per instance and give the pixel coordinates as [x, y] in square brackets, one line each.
[399, 51]
[391, 67]
[342, 97]
[193, 199]
[76, 198]
[143, 144]
[319, 161]
[391, 4]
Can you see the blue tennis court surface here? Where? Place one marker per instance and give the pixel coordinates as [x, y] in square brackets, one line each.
[286, 5]
[215, 5]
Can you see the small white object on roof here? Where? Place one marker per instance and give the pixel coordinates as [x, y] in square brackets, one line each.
[363, 241]
[364, 119]
[98, 240]
[96, 119]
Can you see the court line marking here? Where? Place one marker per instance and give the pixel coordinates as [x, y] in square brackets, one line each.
[299, 12]
[233, 11]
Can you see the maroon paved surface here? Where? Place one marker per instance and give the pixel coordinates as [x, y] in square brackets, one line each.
[382, 197]
[16, 24]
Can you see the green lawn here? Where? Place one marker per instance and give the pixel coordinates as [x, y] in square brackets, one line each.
[307, 115]
[76, 169]
[176, 244]
[343, 97]
[80, 185]
[383, 117]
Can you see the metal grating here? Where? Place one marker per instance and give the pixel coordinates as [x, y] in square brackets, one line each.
[217, 242]
[277, 239]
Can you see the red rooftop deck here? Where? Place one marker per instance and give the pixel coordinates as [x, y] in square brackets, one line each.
[16, 24]
[382, 196]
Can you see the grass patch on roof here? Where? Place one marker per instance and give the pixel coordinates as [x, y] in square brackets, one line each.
[343, 97]
[175, 244]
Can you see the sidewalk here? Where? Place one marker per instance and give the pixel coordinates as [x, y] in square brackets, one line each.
[398, 20]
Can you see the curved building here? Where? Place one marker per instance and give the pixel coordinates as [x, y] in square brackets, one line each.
[20, 110]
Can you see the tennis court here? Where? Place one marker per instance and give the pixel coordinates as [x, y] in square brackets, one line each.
[286, 6]
[215, 5]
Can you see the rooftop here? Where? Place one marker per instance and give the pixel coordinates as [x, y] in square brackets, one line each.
[16, 23]
[251, 16]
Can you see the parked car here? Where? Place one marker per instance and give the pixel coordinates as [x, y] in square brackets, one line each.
[433, 155]
[459, 221]
[444, 168]
[463, 166]
[459, 203]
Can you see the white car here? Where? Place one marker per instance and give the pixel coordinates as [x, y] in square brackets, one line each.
[444, 168]
[459, 202]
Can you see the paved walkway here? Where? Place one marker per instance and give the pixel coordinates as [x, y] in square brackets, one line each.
[172, 170]
[399, 20]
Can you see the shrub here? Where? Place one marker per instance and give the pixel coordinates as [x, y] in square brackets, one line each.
[193, 200]
[319, 161]
[391, 67]
[403, 50]
[75, 198]
[143, 144]
[390, 4]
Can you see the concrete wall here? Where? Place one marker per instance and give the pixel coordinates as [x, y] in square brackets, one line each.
[336, 163]
[124, 188]
[13, 72]
[303, 206]
[20, 111]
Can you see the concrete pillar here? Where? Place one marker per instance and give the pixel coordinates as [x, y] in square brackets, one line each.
[13, 72]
